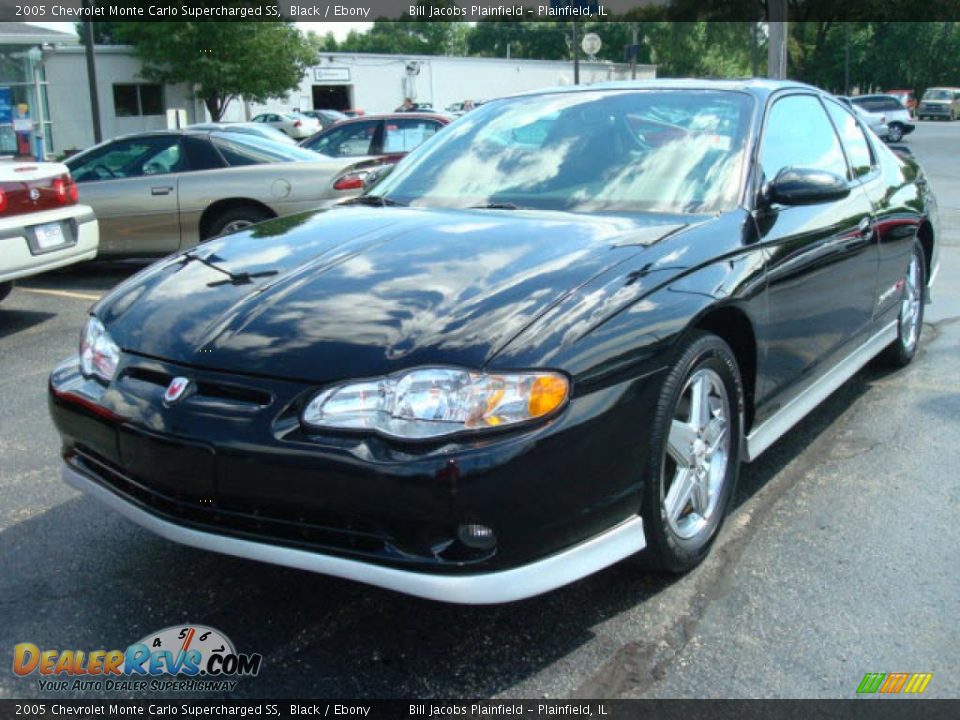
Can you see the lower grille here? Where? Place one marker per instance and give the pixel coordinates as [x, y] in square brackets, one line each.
[345, 536]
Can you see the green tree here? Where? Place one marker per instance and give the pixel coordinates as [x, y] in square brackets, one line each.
[222, 60]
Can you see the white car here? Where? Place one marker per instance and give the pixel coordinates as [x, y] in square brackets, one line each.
[875, 120]
[42, 225]
[895, 112]
[294, 124]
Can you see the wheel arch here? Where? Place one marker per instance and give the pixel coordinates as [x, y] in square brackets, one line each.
[732, 324]
[220, 206]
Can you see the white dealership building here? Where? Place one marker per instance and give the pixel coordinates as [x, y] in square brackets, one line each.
[371, 82]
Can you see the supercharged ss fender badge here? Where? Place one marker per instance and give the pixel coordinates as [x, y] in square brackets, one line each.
[177, 388]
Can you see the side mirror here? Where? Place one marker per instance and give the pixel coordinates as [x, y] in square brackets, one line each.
[805, 186]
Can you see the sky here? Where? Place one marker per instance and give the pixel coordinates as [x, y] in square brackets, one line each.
[339, 29]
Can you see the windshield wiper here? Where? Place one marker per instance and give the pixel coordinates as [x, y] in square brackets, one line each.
[375, 200]
[496, 206]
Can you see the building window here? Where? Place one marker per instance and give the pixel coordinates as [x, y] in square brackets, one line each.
[131, 100]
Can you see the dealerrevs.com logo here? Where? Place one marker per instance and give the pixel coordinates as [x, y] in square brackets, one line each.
[178, 658]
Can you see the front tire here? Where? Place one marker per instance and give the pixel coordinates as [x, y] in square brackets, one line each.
[896, 133]
[910, 318]
[694, 453]
[5, 289]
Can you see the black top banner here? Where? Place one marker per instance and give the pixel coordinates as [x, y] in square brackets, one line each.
[473, 709]
[476, 10]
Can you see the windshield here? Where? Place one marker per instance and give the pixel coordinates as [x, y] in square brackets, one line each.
[613, 150]
[243, 149]
[936, 94]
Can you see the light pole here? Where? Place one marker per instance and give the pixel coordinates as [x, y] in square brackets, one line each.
[92, 72]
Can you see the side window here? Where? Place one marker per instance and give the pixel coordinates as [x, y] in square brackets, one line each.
[133, 157]
[346, 140]
[201, 154]
[799, 134]
[405, 135]
[854, 140]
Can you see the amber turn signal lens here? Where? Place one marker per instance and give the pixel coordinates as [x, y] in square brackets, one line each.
[547, 394]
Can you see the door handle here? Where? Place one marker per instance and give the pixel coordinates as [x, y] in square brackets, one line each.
[164, 190]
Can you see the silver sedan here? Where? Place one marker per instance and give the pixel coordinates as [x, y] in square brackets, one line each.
[158, 192]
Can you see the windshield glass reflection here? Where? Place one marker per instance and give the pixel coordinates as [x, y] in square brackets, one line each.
[627, 151]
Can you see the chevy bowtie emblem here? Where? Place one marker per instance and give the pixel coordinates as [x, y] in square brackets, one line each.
[176, 389]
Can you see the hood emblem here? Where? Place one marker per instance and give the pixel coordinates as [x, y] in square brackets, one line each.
[176, 389]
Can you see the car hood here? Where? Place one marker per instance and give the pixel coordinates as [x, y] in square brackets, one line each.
[363, 291]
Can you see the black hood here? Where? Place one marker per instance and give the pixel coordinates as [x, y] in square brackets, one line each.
[358, 291]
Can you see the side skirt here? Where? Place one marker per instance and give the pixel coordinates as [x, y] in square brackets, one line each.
[768, 432]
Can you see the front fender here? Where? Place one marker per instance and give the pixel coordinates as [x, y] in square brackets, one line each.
[625, 326]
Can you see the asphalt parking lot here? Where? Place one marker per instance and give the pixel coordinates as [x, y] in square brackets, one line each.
[839, 559]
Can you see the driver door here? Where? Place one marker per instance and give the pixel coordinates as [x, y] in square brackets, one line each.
[132, 185]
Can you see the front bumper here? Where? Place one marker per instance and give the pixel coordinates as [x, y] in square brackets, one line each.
[211, 472]
[496, 587]
[933, 111]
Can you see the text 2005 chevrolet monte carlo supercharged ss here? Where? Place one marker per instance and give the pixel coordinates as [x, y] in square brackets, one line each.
[545, 342]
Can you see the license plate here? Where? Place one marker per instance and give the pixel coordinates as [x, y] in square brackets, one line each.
[49, 235]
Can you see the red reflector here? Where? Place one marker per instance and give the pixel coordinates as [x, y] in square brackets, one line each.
[296, 124]
[3, 201]
[349, 182]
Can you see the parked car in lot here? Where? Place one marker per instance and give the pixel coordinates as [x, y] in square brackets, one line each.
[874, 120]
[296, 125]
[895, 114]
[391, 135]
[547, 342]
[251, 128]
[42, 224]
[939, 103]
[326, 118]
[161, 191]
[906, 97]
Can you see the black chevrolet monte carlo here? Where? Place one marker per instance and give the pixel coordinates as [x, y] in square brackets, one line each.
[546, 341]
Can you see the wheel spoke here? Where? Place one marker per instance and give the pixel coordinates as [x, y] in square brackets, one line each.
[700, 402]
[679, 493]
[700, 497]
[715, 434]
[680, 443]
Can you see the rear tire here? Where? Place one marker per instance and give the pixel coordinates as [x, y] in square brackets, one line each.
[910, 318]
[896, 133]
[235, 219]
[694, 453]
[5, 289]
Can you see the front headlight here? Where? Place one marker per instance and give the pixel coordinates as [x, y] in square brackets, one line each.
[99, 354]
[432, 402]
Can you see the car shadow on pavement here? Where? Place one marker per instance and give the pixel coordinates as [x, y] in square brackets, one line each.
[80, 576]
[14, 321]
[94, 276]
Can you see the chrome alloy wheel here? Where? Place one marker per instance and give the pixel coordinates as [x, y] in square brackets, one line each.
[910, 305]
[697, 454]
[234, 226]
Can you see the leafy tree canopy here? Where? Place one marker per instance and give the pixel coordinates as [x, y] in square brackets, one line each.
[221, 60]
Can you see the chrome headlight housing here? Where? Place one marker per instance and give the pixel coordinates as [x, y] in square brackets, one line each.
[432, 402]
[99, 354]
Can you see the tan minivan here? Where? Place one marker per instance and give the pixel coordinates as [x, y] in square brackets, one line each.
[939, 102]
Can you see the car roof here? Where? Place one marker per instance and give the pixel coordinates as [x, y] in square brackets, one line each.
[398, 116]
[760, 87]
